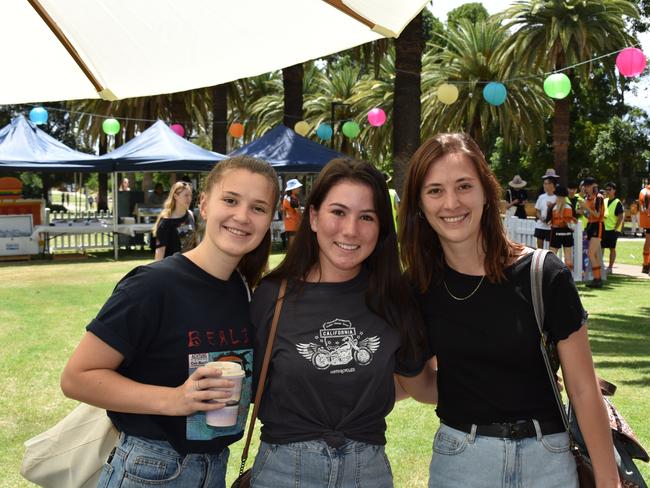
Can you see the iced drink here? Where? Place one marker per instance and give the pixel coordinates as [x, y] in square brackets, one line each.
[227, 416]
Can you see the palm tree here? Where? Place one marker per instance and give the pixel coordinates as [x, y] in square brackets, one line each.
[555, 34]
[470, 58]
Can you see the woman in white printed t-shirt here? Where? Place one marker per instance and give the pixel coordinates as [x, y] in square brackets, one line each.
[543, 206]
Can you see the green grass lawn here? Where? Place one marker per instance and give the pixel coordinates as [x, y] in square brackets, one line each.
[628, 252]
[44, 307]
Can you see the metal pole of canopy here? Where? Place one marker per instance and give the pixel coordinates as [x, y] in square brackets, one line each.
[115, 235]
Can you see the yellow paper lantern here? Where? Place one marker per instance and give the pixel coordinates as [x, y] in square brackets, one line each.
[302, 128]
[447, 93]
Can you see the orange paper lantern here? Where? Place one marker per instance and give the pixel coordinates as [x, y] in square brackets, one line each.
[236, 130]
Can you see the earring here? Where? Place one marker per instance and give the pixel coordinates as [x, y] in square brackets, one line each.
[419, 214]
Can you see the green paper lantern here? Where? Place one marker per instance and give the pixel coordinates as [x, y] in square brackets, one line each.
[557, 85]
[111, 127]
[351, 129]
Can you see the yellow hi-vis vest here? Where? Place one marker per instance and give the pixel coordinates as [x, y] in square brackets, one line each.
[610, 214]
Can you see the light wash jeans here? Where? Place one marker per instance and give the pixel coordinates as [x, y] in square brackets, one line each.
[473, 461]
[140, 462]
[314, 464]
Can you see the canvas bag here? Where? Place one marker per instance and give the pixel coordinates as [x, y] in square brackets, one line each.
[71, 453]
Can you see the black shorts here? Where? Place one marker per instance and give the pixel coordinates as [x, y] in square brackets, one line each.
[595, 229]
[561, 237]
[609, 239]
[544, 234]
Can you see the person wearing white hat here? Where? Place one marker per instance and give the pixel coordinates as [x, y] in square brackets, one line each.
[291, 209]
[516, 198]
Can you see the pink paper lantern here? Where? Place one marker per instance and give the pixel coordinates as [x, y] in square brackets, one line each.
[178, 128]
[377, 117]
[631, 61]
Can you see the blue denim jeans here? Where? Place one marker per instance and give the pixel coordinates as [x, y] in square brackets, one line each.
[474, 461]
[314, 464]
[139, 462]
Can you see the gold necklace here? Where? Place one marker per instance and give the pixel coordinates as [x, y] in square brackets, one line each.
[460, 299]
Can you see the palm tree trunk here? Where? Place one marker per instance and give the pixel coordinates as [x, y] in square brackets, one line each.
[406, 100]
[292, 77]
[561, 139]
[220, 118]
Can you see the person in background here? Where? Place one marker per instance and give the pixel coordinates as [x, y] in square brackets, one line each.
[614, 219]
[644, 222]
[516, 198]
[561, 220]
[291, 209]
[143, 357]
[394, 199]
[543, 208]
[175, 226]
[575, 199]
[594, 209]
[500, 425]
[125, 185]
[634, 218]
[157, 197]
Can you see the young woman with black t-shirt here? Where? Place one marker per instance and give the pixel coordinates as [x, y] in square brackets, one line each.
[142, 358]
[348, 323]
[500, 425]
[174, 230]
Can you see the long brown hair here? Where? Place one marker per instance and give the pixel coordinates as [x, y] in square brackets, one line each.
[420, 249]
[170, 203]
[388, 294]
[253, 263]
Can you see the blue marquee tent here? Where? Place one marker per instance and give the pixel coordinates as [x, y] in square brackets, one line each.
[25, 147]
[160, 149]
[289, 152]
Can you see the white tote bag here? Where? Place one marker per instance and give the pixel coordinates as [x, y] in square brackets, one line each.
[71, 453]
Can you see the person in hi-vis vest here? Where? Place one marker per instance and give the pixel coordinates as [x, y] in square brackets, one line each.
[614, 218]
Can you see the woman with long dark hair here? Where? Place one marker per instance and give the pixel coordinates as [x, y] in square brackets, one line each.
[500, 424]
[348, 323]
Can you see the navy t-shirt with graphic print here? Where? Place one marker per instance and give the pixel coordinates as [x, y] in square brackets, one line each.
[167, 319]
[332, 365]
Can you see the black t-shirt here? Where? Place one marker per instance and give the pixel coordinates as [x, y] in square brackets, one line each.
[176, 235]
[167, 319]
[490, 367]
[520, 194]
[332, 364]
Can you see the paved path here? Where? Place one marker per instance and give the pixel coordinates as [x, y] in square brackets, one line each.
[633, 270]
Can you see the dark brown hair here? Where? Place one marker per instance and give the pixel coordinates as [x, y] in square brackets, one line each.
[420, 249]
[388, 294]
[253, 263]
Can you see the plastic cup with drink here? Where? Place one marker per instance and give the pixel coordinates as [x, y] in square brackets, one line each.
[227, 416]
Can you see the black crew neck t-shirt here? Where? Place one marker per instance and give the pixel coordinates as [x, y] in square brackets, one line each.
[490, 367]
[331, 370]
[167, 319]
[176, 234]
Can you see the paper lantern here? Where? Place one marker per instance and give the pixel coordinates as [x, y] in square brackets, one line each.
[351, 129]
[302, 128]
[178, 128]
[557, 85]
[495, 93]
[447, 93]
[377, 117]
[324, 131]
[236, 130]
[631, 61]
[38, 115]
[111, 127]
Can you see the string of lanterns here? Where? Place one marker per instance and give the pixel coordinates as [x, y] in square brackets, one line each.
[631, 62]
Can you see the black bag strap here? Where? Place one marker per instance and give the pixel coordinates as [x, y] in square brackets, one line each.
[536, 282]
[265, 368]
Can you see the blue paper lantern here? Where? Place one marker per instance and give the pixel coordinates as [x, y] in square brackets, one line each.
[495, 93]
[325, 132]
[38, 115]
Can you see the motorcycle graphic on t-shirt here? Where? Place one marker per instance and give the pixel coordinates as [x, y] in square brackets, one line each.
[339, 344]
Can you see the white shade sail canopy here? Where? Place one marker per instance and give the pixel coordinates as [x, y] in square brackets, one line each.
[132, 48]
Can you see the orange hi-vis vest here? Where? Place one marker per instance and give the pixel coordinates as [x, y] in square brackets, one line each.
[644, 210]
[596, 206]
[562, 217]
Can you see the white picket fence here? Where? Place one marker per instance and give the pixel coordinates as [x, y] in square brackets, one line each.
[79, 242]
[523, 230]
